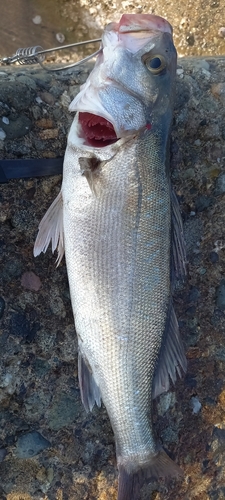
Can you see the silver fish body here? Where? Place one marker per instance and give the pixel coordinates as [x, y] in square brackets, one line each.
[117, 248]
[119, 224]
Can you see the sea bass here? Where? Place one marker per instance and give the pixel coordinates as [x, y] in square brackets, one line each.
[119, 222]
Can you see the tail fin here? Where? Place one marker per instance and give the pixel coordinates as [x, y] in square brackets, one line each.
[131, 481]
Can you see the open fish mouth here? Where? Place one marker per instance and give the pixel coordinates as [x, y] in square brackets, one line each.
[95, 130]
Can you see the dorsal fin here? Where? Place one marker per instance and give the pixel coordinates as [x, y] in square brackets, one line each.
[51, 229]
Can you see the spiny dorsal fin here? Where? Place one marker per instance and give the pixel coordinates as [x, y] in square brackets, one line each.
[171, 358]
[51, 229]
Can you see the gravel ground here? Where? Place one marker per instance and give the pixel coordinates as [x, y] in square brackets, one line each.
[50, 449]
[198, 24]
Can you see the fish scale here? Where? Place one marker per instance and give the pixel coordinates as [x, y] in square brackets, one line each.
[119, 222]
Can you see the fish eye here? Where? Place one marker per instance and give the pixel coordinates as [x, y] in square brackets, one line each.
[155, 64]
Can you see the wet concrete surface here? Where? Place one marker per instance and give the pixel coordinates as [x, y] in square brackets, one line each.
[50, 449]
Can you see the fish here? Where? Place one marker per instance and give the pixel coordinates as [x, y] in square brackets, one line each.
[118, 221]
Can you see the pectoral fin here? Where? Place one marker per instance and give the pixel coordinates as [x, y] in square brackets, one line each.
[51, 229]
[91, 168]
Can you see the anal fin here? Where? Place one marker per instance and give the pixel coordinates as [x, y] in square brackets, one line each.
[90, 392]
[51, 229]
[172, 357]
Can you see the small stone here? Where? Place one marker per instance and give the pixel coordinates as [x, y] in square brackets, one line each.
[190, 39]
[29, 82]
[216, 493]
[65, 99]
[55, 90]
[17, 128]
[193, 228]
[18, 96]
[41, 367]
[5, 120]
[201, 63]
[21, 327]
[203, 202]
[12, 269]
[166, 401]
[67, 344]
[202, 270]
[29, 445]
[206, 73]
[191, 311]
[213, 257]
[221, 32]
[50, 474]
[220, 295]
[2, 307]
[64, 411]
[2, 134]
[38, 100]
[36, 110]
[37, 19]
[6, 380]
[57, 305]
[184, 23]
[218, 90]
[60, 37]
[218, 438]
[3, 454]
[48, 98]
[218, 319]
[49, 133]
[31, 281]
[220, 185]
[197, 142]
[189, 173]
[194, 294]
[170, 435]
[180, 71]
[44, 123]
[195, 404]
[190, 381]
[45, 341]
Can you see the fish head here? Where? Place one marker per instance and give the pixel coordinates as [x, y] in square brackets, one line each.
[132, 84]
